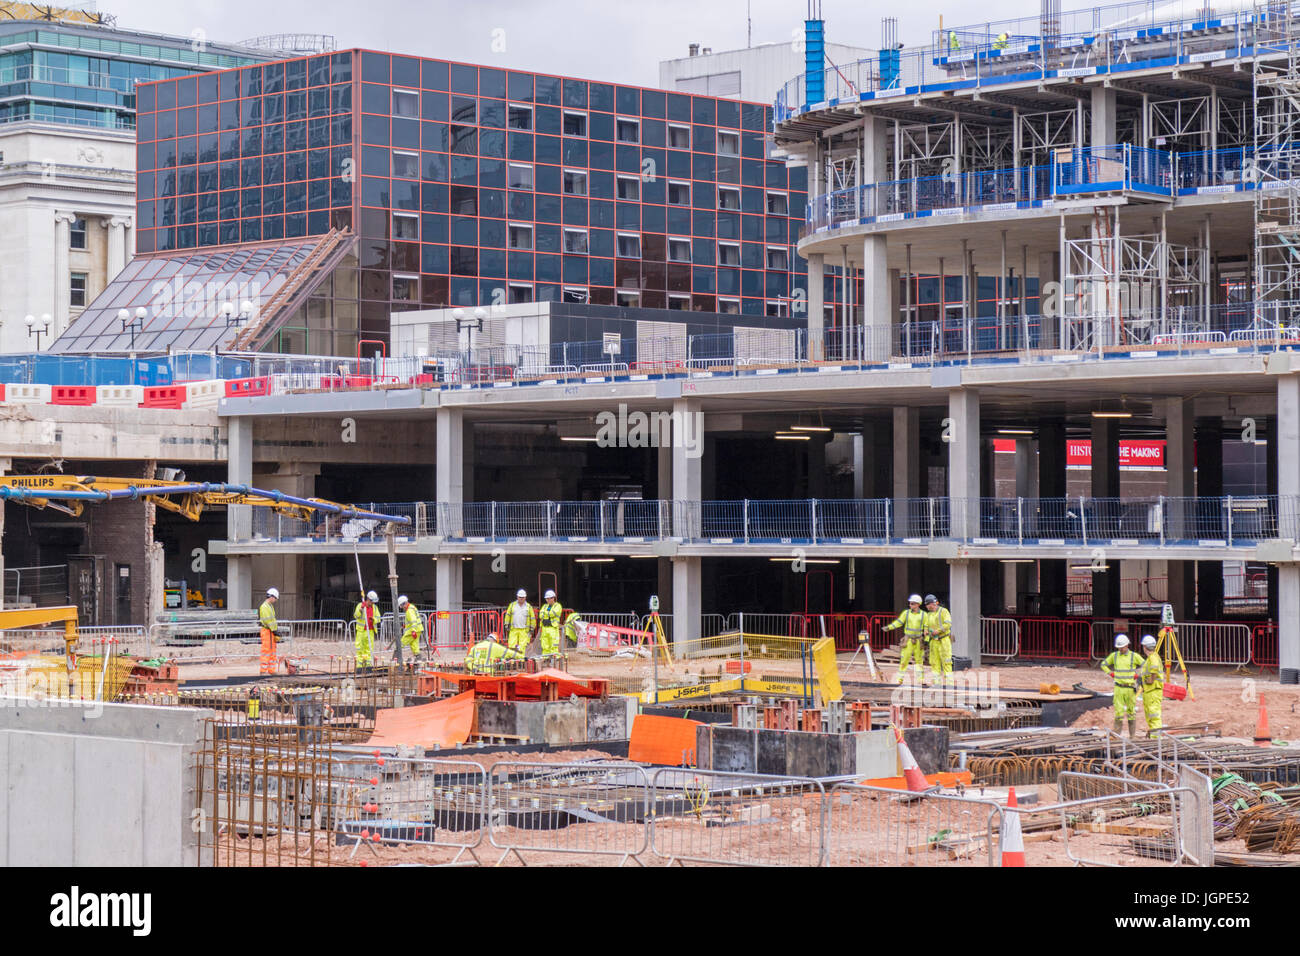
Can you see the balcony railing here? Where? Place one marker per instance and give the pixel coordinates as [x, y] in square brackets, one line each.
[1214, 523]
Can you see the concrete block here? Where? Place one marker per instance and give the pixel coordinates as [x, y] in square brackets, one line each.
[607, 719]
[841, 755]
[929, 745]
[805, 754]
[497, 716]
[530, 720]
[164, 808]
[735, 749]
[876, 754]
[42, 800]
[565, 722]
[704, 746]
[109, 792]
[771, 751]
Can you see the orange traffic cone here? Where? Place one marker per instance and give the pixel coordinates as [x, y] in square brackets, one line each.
[1262, 736]
[912, 775]
[1012, 840]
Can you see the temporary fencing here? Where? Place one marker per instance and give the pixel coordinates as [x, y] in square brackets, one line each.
[448, 632]
[1263, 647]
[571, 808]
[872, 826]
[999, 637]
[130, 639]
[241, 637]
[1055, 638]
[705, 816]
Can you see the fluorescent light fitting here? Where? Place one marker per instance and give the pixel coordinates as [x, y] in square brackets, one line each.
[1015, 431]
[806, 560]
[1089, 567]
[1112, 414]
[1016, 560]
[809, 428]
[593, 560]
[782, 436]
[578, 438]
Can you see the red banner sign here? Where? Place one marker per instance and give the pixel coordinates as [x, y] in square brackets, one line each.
[1134, 454]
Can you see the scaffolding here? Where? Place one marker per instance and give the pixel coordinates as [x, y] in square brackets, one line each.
[1276, 76]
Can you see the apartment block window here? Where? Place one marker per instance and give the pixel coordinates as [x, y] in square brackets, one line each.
[77, 236]
[728, 143]
[520, 293]
[406, 165]
[729, 306]
[778, 204]
[574, 294]
[521, 237]
[406, 227]
[406, 103]
[679, 303]
[679, 137]
[629, 299]
[575, 124]
[679, 250]
[78, 297]
[629, 131]
[520, 117]
[629, 187]
[777, 258]
[575, 241]
[575, 182]
[406, 288]
[521, 176]
[728, 198]
[778, 309]
[629, 246]
[679, 194]
[728, 254]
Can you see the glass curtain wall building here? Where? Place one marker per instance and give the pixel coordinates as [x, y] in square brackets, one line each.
[467, 185]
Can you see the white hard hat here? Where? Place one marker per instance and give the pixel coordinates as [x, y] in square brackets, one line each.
[914, 599]
[1121, 640]
[1148, 640]
[494, 636]
[402, 601]
[272, 592]
[521, 593]
[550, 594]
[372, 596]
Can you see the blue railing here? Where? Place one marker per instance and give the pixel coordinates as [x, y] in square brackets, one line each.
[1223, 522]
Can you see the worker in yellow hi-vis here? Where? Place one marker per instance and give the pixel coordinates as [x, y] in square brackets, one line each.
[412, 627]
[938, 633]
[484, 656]
[1122, 665]
[269, 632]
[520, 620]
[366, 621]
[1151, 675]
[912, 621]
[550, 615]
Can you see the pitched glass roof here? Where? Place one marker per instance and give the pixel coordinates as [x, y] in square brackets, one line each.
[184, 294]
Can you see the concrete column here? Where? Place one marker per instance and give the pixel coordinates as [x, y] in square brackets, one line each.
[62, 274]
[688, 442]
[1209, 484]
[963, 492]
[449, 475]
[1105, 484]
[239, 518]
[816, 306]
[876, 296]
[907, 485]
[1180, 483]
[1051, 486]
[1026, 576]
[117, 257]
[1103, 116]
[1049, 277]
[289, 573]
[1288, 460]
[1270, 488]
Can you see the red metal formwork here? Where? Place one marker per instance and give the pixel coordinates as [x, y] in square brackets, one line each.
[1263, 646]
[457, 630]
[1055, 638]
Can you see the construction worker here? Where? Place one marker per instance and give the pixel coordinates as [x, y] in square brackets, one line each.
[486, 654]
[1001, 42]
[550, 615]
[270, 632]
[366, 618]
[1152, 677]
[912, 621]
[574, 627]
[953, 43]
[412, 627]
[520, 619]
[938, 632]
[1122, 665]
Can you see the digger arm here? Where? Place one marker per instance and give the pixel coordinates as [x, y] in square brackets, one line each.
[36, 616]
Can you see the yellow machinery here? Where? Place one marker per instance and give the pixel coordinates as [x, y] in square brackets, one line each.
[40, 11]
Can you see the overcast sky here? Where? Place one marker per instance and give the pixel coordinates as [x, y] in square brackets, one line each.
[598, 39]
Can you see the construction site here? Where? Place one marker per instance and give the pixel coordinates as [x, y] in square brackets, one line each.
[978, 546]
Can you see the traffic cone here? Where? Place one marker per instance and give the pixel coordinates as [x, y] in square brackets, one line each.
[1262, 736]
[1012, 840]
[912, 775]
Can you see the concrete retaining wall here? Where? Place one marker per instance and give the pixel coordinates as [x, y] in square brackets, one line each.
[871, 753]
[98, 784]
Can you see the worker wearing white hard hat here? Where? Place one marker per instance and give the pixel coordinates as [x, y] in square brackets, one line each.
[412, 627]
[269, 632]
[1151, 676]
[551, 616]
[520, 621]
[912, 621]
[484, 656]
[366, 621]
[1122, 665]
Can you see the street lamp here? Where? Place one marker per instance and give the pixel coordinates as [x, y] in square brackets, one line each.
[32, 328]
[130, 324]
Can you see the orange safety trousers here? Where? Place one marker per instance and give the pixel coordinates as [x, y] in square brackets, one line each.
[268, 652]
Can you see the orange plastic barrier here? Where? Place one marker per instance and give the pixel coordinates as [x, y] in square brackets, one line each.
[444, 723]
[661, 740]
[941, 779]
